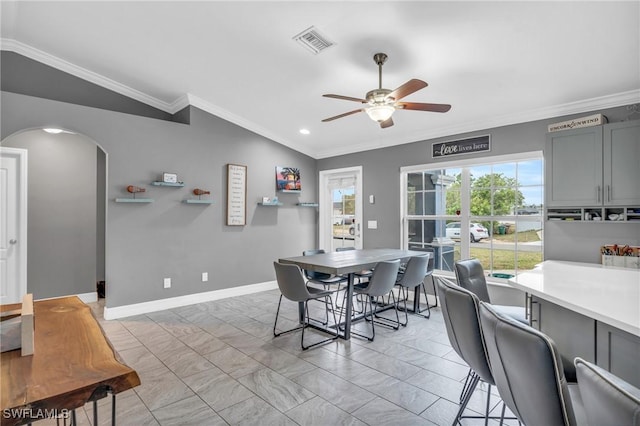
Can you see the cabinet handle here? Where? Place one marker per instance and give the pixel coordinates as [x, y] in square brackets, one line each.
[609, 193]
[598, 193]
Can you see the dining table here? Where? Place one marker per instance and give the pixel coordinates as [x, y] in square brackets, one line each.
[349, 263]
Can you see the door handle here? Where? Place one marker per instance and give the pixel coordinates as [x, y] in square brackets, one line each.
[13, 241]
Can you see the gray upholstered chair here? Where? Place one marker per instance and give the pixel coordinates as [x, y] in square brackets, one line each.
[412, 278]
[460, 313]
[528, 372]
[470, 275]
[608, 400]
[322, 278]
[429, 274]
[379, 285]
[293, 286]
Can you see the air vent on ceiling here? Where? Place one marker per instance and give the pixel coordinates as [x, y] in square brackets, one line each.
[312, 40]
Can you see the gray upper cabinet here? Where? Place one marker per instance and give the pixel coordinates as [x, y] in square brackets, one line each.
[621, 163]
[573, 164]
[594, 166]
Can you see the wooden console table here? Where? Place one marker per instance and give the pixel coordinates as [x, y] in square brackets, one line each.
[73, 363]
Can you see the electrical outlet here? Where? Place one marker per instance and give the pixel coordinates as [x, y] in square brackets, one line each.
[167, 283]
[205, 277]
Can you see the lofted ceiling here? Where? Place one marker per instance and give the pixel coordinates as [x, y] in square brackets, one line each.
[496, 63]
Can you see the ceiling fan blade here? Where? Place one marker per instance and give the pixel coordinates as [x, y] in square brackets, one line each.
[408, 88]
[386, 123]
[418, 106]
[345, 98]
[342, 115]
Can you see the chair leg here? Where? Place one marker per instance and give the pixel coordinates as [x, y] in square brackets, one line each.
[466, 397]
[307, 319]
[466, 383]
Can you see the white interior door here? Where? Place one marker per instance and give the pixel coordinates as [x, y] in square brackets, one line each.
[341, 208]
[13, 224]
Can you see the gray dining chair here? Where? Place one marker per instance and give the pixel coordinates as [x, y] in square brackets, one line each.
[528, 371]
[293, 286]
[411, 278]
[321, 278]
[429, 274]
[462, 322]
[381, 283]
[607, 399]
[470, 275]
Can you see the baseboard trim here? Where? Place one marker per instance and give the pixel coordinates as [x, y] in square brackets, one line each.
[189, 299]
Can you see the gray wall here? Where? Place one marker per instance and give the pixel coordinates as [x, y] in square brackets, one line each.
[381, 177]
[148, 242]
[61, 230]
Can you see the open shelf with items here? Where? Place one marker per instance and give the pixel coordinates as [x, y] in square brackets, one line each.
[173, 184]
[270, 204]
[632, 214]
[594, 214]
[565, 214]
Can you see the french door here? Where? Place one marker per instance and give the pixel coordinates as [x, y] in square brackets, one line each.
[340, 208]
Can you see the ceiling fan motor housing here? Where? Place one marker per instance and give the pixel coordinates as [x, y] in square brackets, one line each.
[379, 97]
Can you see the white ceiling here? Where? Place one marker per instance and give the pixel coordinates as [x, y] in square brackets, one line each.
[496, 63]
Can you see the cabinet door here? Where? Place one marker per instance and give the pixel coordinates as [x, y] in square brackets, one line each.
[574, 334]
[622, 163]
[573, 164]
[619, 352]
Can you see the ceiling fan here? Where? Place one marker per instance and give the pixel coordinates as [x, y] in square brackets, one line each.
[382, 103]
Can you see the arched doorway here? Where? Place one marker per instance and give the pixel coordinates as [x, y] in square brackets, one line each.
[66, 212]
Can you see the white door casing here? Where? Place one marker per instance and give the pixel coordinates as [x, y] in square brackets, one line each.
[326, 204]
[13, 224]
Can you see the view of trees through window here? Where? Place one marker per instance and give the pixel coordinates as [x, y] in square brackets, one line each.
[492, 212]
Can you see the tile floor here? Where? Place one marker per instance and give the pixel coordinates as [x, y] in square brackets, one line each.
[217, 363]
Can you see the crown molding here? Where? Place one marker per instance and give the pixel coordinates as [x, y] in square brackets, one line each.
[83, 73]
[586, 105]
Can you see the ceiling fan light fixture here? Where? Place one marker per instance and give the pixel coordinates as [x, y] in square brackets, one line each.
[380, 113]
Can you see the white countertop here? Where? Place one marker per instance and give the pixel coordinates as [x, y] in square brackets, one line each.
[604, 293]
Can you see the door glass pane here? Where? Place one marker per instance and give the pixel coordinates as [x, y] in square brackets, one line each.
[343, 217]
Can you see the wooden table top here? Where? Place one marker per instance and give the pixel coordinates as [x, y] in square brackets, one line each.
[72, 360]
[344, 262]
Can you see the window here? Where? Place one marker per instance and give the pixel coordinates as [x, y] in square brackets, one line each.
[490, 209]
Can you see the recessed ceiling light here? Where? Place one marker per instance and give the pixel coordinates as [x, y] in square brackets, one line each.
[305, 131]
[53, 130]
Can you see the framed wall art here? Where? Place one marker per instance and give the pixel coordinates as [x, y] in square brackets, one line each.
[288, 179]
[236, 195]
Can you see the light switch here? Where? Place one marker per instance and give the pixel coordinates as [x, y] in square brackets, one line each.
[372, 199]
[372, 224]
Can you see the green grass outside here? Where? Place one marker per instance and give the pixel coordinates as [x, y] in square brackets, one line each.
[504, 260]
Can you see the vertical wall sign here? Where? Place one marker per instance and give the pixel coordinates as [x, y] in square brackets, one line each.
[236, 195]
[464, 146]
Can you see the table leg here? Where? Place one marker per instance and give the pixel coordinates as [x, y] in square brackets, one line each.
[347, 321]
[301, 312]
[416, 299]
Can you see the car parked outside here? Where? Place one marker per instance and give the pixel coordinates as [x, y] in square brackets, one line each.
[477, 231]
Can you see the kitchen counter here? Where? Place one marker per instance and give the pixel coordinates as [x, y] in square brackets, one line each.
[607, 294]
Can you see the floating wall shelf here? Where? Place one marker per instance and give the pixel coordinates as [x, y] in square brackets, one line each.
[270, 204]
[134, 200]
[198, 201]
[307, 204]
[176, 184]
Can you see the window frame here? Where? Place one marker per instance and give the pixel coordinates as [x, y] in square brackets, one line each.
[465, 215]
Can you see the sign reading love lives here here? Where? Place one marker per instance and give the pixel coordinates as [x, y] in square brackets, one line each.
[464, 146]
